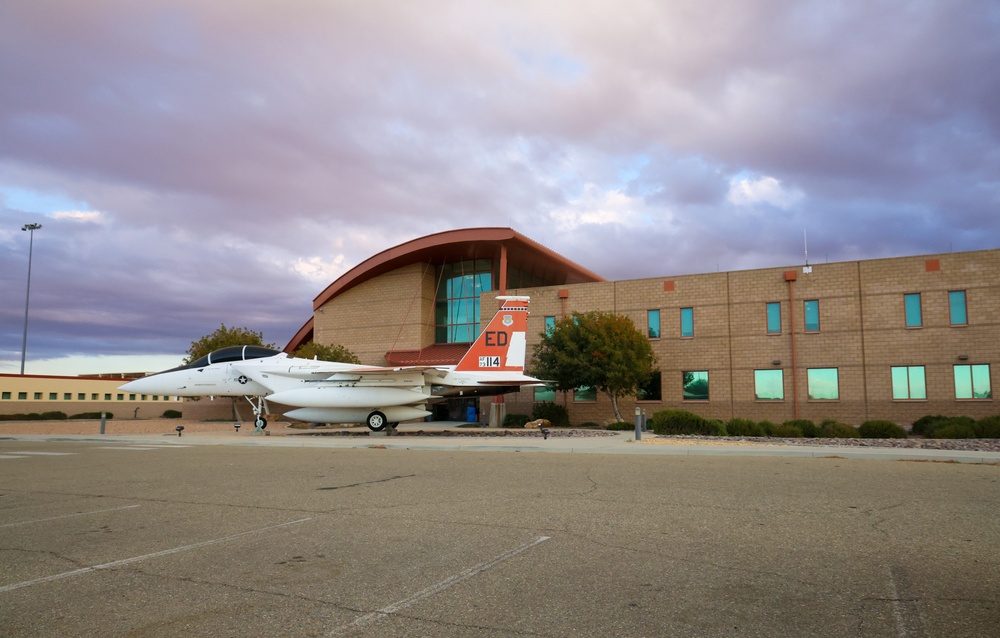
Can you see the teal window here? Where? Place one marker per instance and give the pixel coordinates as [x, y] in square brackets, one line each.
[908, 382]
[550, 325]
[53, 396]
[769, 385]
[5, 396]
[823, 384]
[585, 393]
[687, 322]
[545, 393]
[81, 396]
[914, 318]
[653, 323]
[811, 308]
[38, 396]
[107, 396]
[120, 397]
[973, 382]
[22, 396]
[956, 305]
[774, 318]
[456, 315]
[652, 391]
[695, 385]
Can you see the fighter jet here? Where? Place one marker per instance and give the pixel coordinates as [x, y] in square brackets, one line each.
[328, 392]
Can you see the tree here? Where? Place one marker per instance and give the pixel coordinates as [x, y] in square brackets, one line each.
[599, 349]
[334, 352]
[223, 337]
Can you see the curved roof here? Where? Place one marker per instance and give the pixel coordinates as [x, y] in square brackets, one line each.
[450, 246]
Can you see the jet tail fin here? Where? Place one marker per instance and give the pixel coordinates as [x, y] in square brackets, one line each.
[501, 346]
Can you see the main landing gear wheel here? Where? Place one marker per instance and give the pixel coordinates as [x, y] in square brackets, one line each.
[260, 423]
[376, 421]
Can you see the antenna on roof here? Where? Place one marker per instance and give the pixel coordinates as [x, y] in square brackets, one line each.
[805, 241]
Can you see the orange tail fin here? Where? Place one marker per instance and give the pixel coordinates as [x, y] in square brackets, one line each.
[501, 347]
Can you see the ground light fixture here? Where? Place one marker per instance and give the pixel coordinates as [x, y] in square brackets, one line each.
[31, 228]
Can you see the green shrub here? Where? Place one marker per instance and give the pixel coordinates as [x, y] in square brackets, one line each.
[168, 414]
[881, 429]
[621, 426]
[589, 424]
[684, 422]
[988, 427]
[807, 427]
[832, 429]
[89, 415]
[552, 412]
[953, 430]
[785, 431]
[515, 420]
[744, 427]
[766, 426]
[924, 424]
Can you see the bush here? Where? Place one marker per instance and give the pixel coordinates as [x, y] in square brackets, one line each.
[832, 429]
[880, 429]
[515, 420]
[924, 424]
[807, 427]
[766, 426]
[786, 430]
[589, 424]
[621, 426]
[684, 422]
[953, 429]
[988, 427]
[743, 427]
[169, 414]
[89, 415]
[931, 428]
[551, 412]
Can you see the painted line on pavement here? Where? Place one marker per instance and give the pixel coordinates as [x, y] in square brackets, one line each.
[56, 518]
[451, 581]
[136, 559]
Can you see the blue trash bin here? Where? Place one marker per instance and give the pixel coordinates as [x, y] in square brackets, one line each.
[470, 414]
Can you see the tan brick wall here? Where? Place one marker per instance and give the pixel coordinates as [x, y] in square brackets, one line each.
[862, 332]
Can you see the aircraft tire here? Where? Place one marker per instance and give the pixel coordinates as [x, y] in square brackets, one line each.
[261, 422]
[376, 421]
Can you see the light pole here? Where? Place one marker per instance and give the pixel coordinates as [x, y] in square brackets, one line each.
[31, 228]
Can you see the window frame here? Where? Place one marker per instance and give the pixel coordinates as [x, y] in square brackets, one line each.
[656, 381]
[909, 320]
[951, 308]
[684, 386]
[808, 309]
[810, 383]
[650, 314]
[907, 372]
[757, 384]
[689, 313]
[972, 367]
[775, 305]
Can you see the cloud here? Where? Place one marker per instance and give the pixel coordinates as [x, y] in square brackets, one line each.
[192, 164]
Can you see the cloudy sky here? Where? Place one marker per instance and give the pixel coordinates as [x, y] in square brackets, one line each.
[195, 163]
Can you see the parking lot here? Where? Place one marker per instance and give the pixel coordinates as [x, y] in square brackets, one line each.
[164, 538]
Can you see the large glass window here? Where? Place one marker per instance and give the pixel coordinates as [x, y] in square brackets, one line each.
[687, 322]
[652, 391]
[545, 393]
[774, 318]
[908, 383]
[823, 384]
[457, 308]
[973, 382]
[956, 305]
[696, 386]
[550, 325]
[653, 323]
[811, 308]
[585, 393]
[769, 385]
[914, 318]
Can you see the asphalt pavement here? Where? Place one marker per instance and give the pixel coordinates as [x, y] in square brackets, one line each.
[328, 536]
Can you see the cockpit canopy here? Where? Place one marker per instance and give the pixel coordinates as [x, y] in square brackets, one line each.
[231, 353]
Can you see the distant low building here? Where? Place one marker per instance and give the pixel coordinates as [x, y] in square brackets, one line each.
[26, 394]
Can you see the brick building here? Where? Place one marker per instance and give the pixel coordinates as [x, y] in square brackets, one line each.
[885, 338]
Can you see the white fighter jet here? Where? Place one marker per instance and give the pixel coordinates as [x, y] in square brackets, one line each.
[328, 392]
